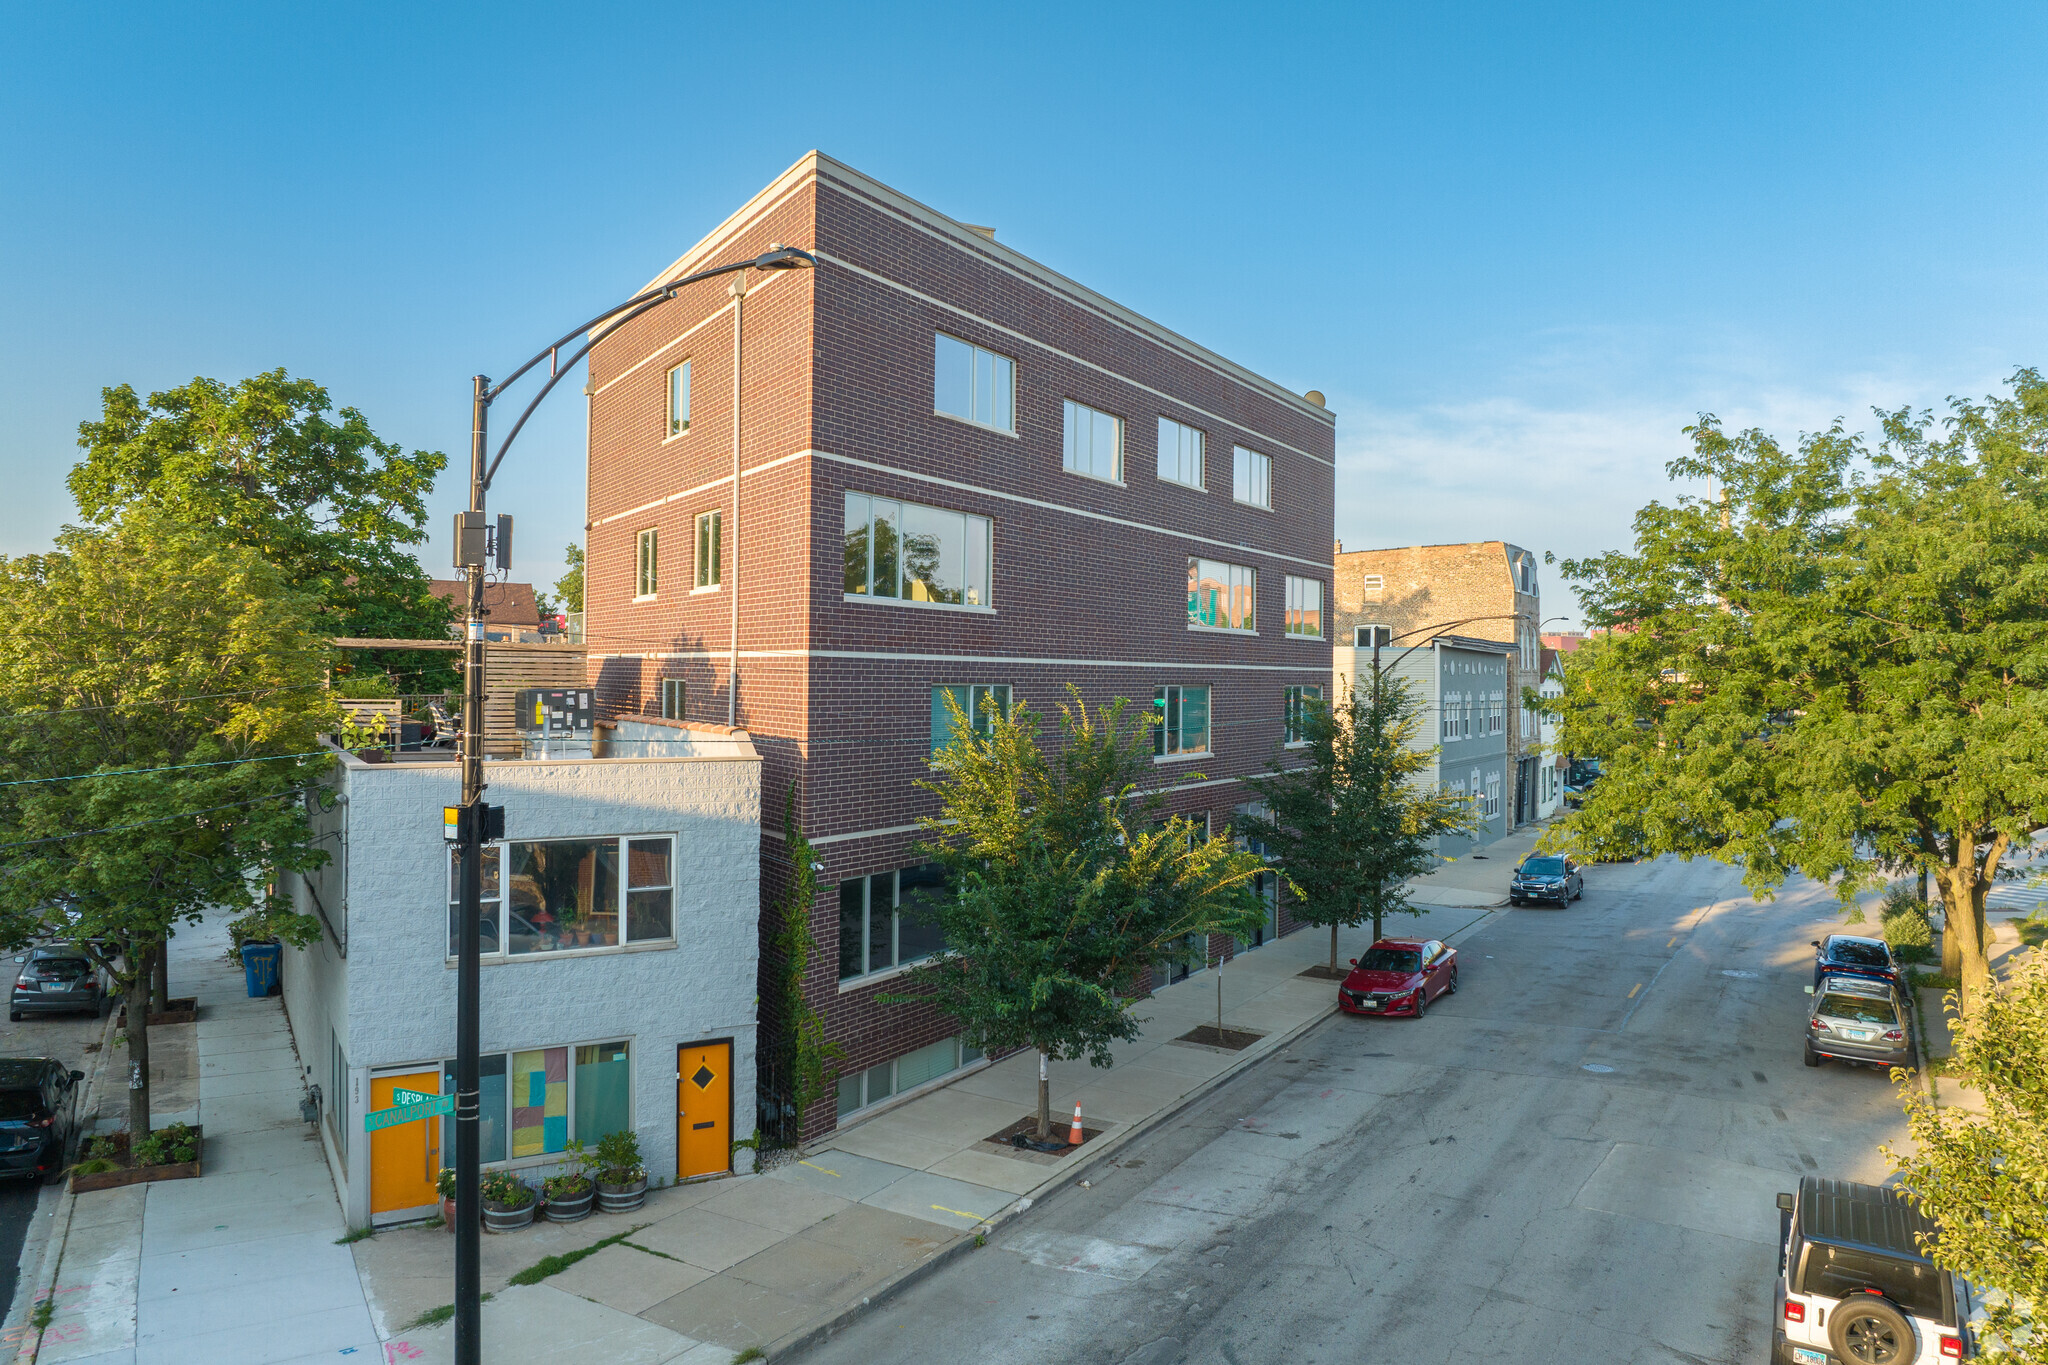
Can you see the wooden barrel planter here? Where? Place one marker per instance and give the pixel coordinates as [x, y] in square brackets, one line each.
[498, 1219]
[622, 1198]
[571, 1208]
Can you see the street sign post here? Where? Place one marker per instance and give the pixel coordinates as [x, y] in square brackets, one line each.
[428, 1107]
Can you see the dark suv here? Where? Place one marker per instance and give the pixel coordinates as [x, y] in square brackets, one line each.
[1854, 1287]
[1855, 955]
[35, 1116]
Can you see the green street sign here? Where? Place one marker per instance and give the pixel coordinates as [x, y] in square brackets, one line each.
[403, 1097]
[435, 1106]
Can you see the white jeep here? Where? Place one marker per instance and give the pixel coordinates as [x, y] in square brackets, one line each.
[1854, 1287]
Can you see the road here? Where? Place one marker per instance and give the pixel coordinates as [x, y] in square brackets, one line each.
[1571, 1160]
[65, 1037]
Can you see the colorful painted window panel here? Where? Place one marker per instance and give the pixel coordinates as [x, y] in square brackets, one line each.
[540, 1101]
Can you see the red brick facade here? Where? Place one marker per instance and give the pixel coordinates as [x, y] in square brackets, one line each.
[1089, 581]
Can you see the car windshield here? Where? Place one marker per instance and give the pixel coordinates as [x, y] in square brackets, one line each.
[16, 1105]
[1838, 1271]
[1861, 954]
[1858, 1009]
[1543, 867]
[1391, 960]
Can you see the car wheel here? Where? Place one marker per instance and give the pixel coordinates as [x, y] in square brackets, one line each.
[1452, 988]
[1421, 999]
[1812, 1057]
[14, 1016]
[1868, 1330]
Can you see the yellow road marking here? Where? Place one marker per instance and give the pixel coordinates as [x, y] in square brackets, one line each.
[961, 1213]
[816, 1167]
[1633, 989]
[1674, 939]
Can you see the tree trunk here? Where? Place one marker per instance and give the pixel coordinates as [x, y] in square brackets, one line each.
[1962, 919]
[138, 1043]
[1044, 1100]
[161, 981]
[1333, 947]
[1951, 942]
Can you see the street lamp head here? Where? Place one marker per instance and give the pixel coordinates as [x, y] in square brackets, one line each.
[785, 258]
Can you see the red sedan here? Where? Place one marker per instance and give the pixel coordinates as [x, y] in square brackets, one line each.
[1399, 976]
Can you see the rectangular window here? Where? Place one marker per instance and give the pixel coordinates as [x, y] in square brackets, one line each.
[1251, 477]
[1365, 637]
[337, 1093]
[1492, 795]
[1182, 714]
[1298, 699]
[916, 554]
[1305, 607]
[1180, 453]
[883, 921]
[710, 526]
[1222, 596]
[604, 1092]
[645, 579]
[981, 703]
[650, 889]
[540, 1101]
[972, 384]
[907, 1072]
[1094, 443]
[491, 1115]
[561, 895]
[1450, 715]
[679, 399]
[487, 903]
[674, 695]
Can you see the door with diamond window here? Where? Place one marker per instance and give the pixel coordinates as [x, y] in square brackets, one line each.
[703, 1109]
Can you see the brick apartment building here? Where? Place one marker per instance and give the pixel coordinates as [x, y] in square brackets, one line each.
[953, 469]
[1418, 590]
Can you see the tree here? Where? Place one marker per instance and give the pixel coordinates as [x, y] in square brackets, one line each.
[1356, 820]
[1065, 887]
[326, 501]
[158, 703]
[570, 585]
[1983, 1176]
[1838, 666]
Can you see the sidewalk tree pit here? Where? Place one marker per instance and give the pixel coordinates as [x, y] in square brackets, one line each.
[111, 1160]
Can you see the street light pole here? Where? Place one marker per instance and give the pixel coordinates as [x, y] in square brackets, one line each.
[477, 824]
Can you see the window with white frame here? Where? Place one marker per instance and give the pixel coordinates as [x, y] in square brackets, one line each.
[569, 895]
[534, 1102]
[885, 920]
[1492, 795]
[1182, 716]
[1093, 443]
[679, 399]
[913, 1069]
[1305, 607]
[909, 553]
[710, 550]
[1496, 719]
[1251, 477]
[1299, 700]
[1222, 596]
[1365, 637]
[646, 576]
[1373, 585]
[1450, 715]
[674, 692]
[1470, 703]
[973, 384]
[980, 705]
[1180, 453]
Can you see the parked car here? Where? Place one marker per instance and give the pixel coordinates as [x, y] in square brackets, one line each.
[1853, 955]
[1857, 1019]
[1854, 1287]
[35, 1116]
[57, 980]
[1399, 976]
[1547, 877]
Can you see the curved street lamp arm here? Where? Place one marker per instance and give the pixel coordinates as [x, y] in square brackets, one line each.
[562, 371]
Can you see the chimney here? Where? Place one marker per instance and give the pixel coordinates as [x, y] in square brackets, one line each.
[1340, 547]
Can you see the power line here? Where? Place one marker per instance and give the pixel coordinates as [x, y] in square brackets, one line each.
[203, 696]
[140, 824]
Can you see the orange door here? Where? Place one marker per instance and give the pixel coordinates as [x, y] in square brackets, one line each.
[703, 1109]
[405, 1158]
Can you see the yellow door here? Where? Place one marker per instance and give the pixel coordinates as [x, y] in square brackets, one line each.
[703, 1109]
[405, 1158]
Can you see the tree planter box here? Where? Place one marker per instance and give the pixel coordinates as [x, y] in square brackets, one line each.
[183, 1010]
[622, 1198]
[137, 1175]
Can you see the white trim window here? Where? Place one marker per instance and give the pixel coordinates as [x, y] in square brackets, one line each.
[646, 564]
[1365, 637]
[1222, 596]
[972, 384]
[1297, 712]
[710, 549]
[1449, 715]
[1305, 607]
[1092, 443]
[980, 703]
[674, 694]
[1251, 477]
[911, 1070]
[916, 554]
[1180, 453]
[570, 895]
[880, 927]
[532, 1103]
[1492, 795]
[679, 399]
[1182, 714]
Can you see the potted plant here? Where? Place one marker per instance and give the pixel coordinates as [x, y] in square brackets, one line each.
[570, 1191]
[444, 1185]
[508, 1201]
[621, 1177]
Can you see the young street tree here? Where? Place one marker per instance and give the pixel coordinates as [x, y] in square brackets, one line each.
[137, 654]
[1838, 666]
[1065, 887]
[1351, 824]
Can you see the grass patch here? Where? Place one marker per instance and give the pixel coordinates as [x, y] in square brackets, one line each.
[751, 1353]
[555, 1265]
[652, 1252]
[434, 1317]
[45, 1310]
[355, 1235]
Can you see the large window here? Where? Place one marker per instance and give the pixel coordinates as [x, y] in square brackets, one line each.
[1305, 606]
[1182, 714]
[1492, 795]
[1221, 596]
[674, 699]
[915, 554]
[1094, 443]
[1251, 477]
[710, 534]
[1180, 453]
[568, 895]
[1299, 702]
[679, 399]
[878, 1083]
[534, 1103]
[885, 920]
[646, 577]
[979, 703]
[972, 384]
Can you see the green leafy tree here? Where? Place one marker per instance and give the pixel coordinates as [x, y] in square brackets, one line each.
[158, 698]
[1354, 817]
[1065, 885]
[569, 587]
[1982, 1175]
[321, 497]
[1838, 665]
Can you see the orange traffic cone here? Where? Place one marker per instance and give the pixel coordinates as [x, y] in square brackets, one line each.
[1074, 1137]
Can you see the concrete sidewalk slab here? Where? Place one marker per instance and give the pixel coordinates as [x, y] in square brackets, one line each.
[628, 1279]
[709, 1241]
[839, 1172]
[541, 1325]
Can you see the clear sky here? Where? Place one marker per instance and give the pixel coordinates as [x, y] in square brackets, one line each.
[1519, 245]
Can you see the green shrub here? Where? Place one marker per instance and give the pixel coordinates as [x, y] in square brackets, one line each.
[504, 1191]
[1904, 919]
[618, 1158]
[169, 1145]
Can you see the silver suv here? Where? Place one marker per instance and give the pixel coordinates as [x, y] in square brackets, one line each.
[1854, 1287]
[1857, 1019]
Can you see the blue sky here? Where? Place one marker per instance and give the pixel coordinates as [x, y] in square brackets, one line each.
[1518, 245]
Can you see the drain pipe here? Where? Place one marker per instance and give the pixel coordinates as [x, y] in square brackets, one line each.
[730, 550]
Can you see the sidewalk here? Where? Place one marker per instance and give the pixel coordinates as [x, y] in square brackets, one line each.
[775, 1260]
[1479, 879]
[239, 1266]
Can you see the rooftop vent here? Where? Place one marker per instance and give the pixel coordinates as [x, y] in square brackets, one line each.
[1313, 395]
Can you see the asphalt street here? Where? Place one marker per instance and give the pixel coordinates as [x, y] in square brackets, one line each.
[1571, 1160]
[65, 1037]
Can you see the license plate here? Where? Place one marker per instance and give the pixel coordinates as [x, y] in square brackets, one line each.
[1806, 1357]
[1861, 1035]
[1368, 1004]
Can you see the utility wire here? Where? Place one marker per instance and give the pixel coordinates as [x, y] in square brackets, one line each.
[140, 824]
[168, 768]
[203, 696]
